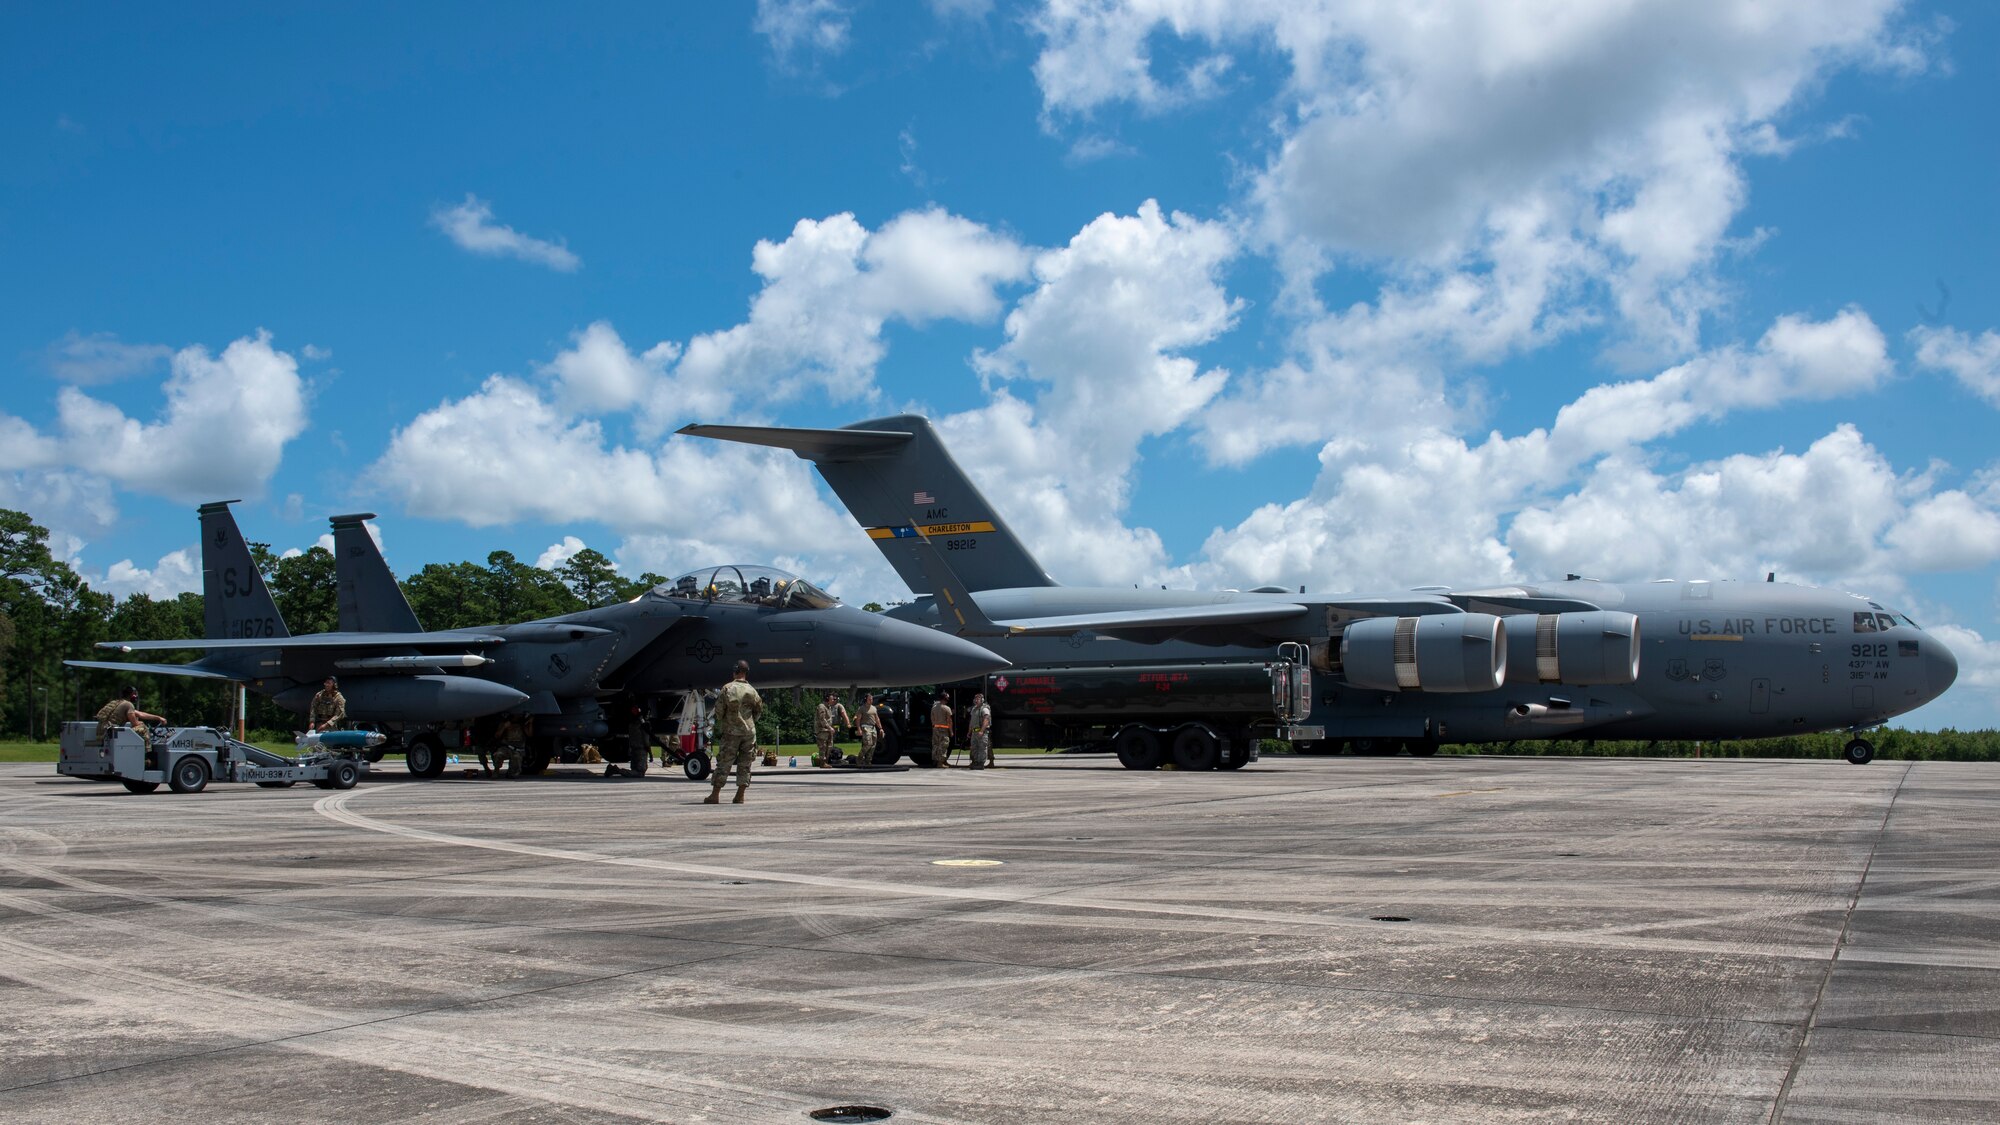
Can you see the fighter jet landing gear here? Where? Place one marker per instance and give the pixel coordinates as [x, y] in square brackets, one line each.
[424, 756]
[1859, 752]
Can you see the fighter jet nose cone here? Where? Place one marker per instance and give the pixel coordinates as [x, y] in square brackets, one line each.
[915, 655]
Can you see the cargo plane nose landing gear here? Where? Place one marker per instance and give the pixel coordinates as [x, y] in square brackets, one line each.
[1859, 752]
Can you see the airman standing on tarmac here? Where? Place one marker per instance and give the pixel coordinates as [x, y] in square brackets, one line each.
[868, 728]
[823, 731]
[329, 707]
[940, 732]
[737, 710]
[979, 731]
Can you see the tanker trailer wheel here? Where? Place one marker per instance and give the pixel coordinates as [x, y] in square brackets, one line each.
[189, 775]
[343, 775]
[1138, 749]
[1421, 747]
[139, 786]
[697, 765]
[889, 743]
[1195, 748]
[1859, 752]
[1371, 747]
[424, 756]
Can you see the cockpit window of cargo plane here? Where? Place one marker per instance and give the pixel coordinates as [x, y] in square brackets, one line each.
[1866, 622]
[755, 585]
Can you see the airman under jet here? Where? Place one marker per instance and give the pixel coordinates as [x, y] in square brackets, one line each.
[1411, 669]
[683, 634]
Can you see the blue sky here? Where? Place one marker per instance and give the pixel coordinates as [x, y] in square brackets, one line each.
[1348, 296]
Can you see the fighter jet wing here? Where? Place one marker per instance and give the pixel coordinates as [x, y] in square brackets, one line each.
[149, 669]
[317, 640]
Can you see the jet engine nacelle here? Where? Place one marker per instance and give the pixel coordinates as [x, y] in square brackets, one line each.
[1452, 652]
[412, 699]
[1598, 647]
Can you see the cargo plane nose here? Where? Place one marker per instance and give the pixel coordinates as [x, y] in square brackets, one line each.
[1940, 667]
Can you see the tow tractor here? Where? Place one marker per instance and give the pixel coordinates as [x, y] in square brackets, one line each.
[186, 759]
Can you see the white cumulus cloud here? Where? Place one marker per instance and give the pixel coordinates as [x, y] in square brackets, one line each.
[1416, 137]
[1099, 343]
[222, 432]
[830, 288]
[177, 573]
[559, 553]
[470, 225]
[1972, 360]
[225, 427]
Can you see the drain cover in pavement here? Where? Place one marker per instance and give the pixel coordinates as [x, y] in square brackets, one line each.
[851, 1114]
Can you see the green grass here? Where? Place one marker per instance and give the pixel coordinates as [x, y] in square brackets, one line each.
[27, 751]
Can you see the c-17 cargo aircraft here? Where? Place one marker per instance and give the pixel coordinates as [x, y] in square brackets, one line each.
[1409, 669]
[683, 634]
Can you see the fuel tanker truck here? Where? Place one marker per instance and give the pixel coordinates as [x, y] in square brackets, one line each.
[1195, 715]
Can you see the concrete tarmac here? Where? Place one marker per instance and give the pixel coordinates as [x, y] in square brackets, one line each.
[1309, 939]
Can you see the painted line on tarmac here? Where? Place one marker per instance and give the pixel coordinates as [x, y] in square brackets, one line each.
[335, 808]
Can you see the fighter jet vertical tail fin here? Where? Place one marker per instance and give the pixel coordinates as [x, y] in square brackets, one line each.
[897, 478]
[370, 600]
[235, 602]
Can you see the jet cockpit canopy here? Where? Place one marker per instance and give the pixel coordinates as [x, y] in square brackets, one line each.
[753, 585]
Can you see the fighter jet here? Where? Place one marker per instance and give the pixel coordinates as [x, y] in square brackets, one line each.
[686, 633]
[1670, 659]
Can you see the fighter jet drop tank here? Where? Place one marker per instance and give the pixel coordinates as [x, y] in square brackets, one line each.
[412, 699]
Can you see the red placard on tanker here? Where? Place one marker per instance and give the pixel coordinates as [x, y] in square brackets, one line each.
[1162, 689]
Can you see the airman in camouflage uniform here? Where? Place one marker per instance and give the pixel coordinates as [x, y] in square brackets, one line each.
[940, 732]
[737, 710]
[329, 707]
[510, 745]
[979, 731]
[868, 728]
[823, 730]
[123, 712]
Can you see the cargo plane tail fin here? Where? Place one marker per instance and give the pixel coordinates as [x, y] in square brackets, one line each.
[902, 484]
[235, 602]
[370, 601]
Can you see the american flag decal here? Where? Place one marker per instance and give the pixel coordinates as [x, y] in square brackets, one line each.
[923, 498]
